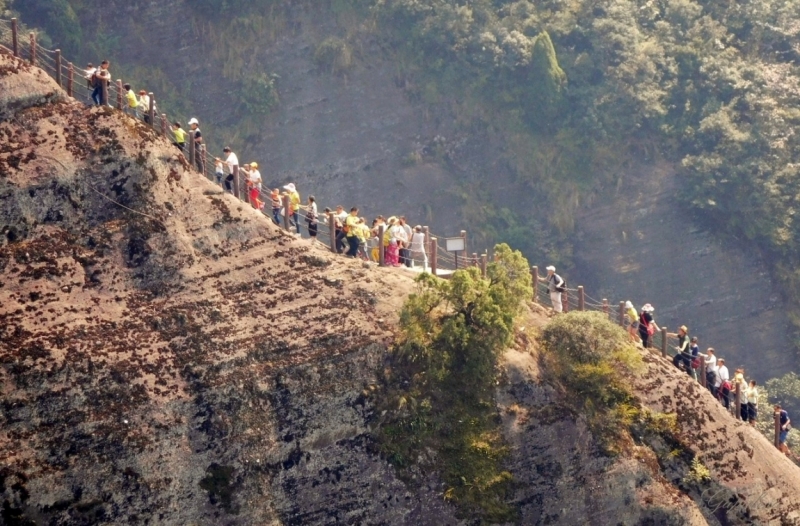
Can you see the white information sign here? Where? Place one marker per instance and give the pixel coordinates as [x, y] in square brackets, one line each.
[454, 244]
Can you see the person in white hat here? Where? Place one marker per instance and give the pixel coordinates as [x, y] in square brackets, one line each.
[647, 325]
[555, 286]
[197, 142]
[294, 204]
[632, 321]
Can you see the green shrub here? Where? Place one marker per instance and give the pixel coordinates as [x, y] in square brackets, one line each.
[334, 55]
[258, 93]
[589, 357]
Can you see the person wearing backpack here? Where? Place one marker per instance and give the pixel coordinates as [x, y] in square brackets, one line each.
[683, 357]
[647, 325]
[555, 286]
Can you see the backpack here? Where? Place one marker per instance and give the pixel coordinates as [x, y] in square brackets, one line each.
[696, 363]
[559, 288]
[650, 329]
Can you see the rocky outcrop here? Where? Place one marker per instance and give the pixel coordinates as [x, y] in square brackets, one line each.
[169, 355]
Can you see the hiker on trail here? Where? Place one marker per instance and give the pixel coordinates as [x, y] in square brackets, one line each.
[275, 197]
[338, 221]
[132, 103]
[144, 106]
[632, 321]
[180, 135]
[219, 170]
[254, 183]
[372, 241]
[711, 370]
[350, 228]
[723, 383]
[101, 78]
[233, 168]
[647, 325]
[555, 286]
[401, 237]
[90, 81]
[294, 205]
[404, 249]
[363, 233]
[752, 403]
[391, 255]
[683, 358]
[694, 351]
[311, 217]
[741, 383]
[418, 248]
[785, 427]
[199, 148]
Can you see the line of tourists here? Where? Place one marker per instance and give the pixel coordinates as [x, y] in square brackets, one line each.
[641, 327]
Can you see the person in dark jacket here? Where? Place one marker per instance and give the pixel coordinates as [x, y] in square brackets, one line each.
[646, 322]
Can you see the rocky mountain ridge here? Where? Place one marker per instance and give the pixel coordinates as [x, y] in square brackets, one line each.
[167, 355]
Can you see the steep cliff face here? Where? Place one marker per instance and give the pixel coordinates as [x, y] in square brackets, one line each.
[167, 353]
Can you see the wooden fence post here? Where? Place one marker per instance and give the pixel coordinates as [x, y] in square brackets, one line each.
[565, 298]
[164, 125]
[535, 279]
[434, 255]
[332, 231]
[702, 371]
[33, 49]
[119, 94]
[285, 209]
[14, 37]
[776, 416]
[664, 342]
[193, 151]
[605, 306]
[621, 313]
[103, 92]
[70, 78]
[484, 260]
[151, 111]
[738, 400]
[381, 248]
[58, 67]
[581, 298]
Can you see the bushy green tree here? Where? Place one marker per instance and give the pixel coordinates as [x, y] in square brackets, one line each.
[439, 395]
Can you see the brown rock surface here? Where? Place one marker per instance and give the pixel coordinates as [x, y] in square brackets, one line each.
[168, 356]
[166, 353]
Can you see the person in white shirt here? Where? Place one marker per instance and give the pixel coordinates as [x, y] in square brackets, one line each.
[405, 249]
[254, 182]
[752, 403]
[233, 168]
[723, 388]
[418, 248]
[312, 221]
[144, 106]
[88, 74]
[711, 370]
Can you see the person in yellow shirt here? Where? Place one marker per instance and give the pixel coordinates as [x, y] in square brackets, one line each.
[180, 135]
[351, 231]
[363, 232]
[132, 102]
[294, 205]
